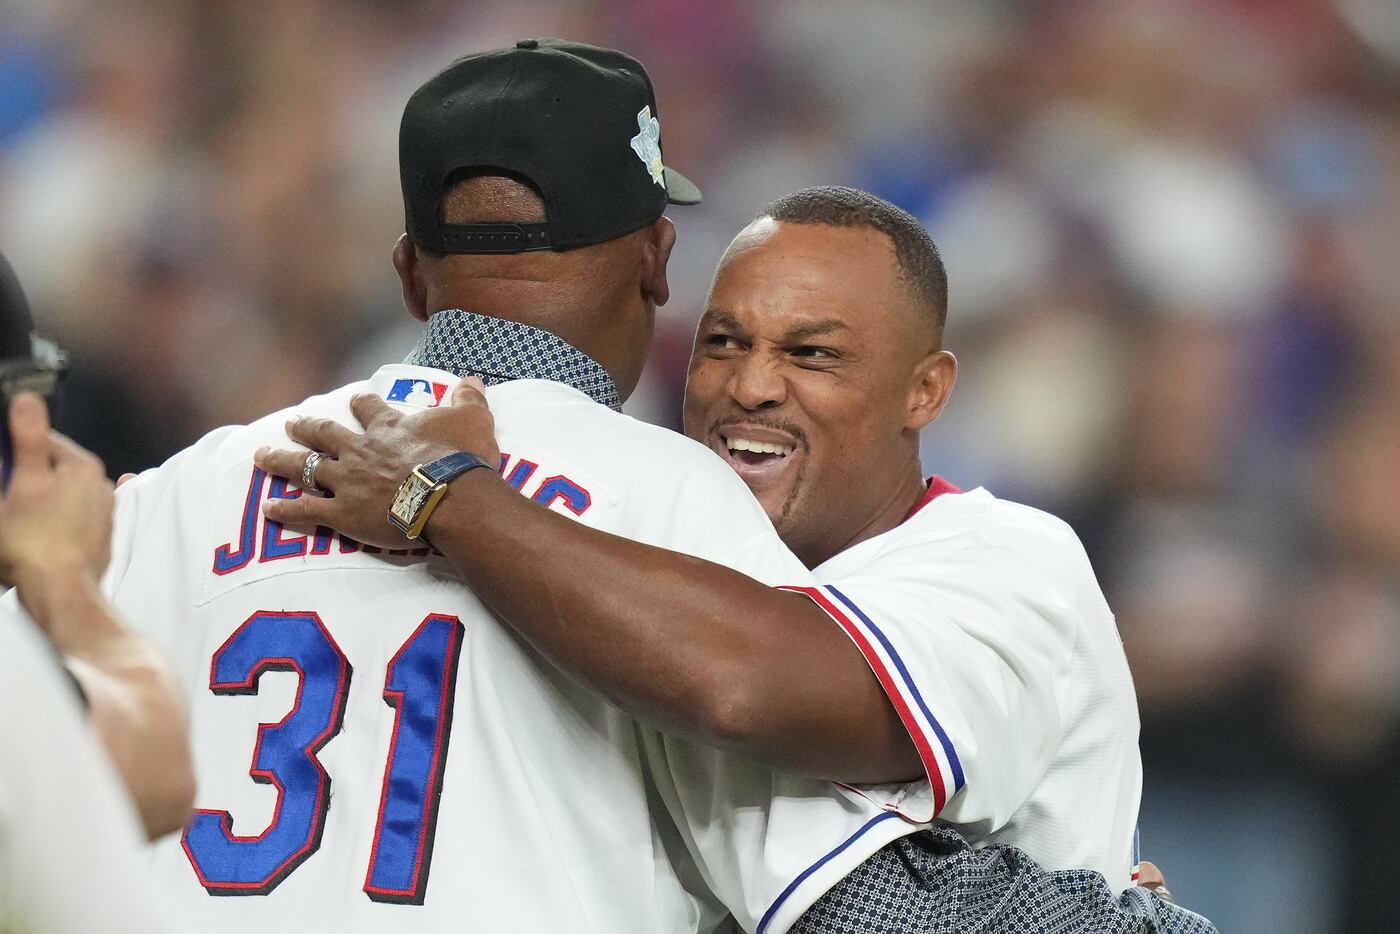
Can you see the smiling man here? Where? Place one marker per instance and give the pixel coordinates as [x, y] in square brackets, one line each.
[957, 662]
[806, 384]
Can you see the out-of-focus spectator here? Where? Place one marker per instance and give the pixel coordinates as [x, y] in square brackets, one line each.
[55, 529]
[70, 850]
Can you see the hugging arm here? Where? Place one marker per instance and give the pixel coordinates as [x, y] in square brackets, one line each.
[684, 644]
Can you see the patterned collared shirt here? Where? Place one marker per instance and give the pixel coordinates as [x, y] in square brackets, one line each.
[499, 351]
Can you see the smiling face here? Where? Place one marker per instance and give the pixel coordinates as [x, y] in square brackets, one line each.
[814, 369]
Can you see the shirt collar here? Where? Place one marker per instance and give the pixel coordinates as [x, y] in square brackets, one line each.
[499, 351]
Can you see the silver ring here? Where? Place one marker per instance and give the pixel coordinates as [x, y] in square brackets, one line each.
[308, 474]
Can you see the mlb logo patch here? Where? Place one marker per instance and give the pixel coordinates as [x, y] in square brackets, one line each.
[417, 392]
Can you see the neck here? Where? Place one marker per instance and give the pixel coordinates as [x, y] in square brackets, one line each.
[901, 495]
[500, 349]
[551, 305]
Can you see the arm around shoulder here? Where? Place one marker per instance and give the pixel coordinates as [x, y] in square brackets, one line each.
[687, 644]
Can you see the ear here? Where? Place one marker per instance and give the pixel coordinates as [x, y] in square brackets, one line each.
[415, 294]
[933, 384]
[656, 254]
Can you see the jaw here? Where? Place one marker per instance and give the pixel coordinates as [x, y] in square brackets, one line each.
[768, 476]
[775, 483]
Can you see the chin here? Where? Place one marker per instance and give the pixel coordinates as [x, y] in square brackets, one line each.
[788, 530]
[773, 506]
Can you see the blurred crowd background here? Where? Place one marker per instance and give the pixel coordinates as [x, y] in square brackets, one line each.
[1172, 231]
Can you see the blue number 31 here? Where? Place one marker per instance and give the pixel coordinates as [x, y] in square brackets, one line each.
[419, 686]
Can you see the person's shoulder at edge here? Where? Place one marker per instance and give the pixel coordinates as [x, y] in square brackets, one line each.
[235, 443]
[983, 516]
[69, 797]
[624, 443]
[228, 446]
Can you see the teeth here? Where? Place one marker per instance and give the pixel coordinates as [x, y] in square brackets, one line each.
[758, 447]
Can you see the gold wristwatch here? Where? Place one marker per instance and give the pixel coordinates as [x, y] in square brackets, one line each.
[424, 488]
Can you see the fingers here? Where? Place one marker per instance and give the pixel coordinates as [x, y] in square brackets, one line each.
[281, 462]
[319, 434]
[29, 432]
[470, 391]
[302, 514]
[125, 479]
[68, 453]
[368, 408]
[1152, 879]
[1149, 876]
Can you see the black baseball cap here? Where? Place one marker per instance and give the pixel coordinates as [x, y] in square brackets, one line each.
[28, 362]
[576, 121]
[16, 323]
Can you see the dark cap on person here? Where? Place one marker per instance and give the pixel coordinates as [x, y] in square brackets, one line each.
[28, 362]
[576, 122]
[16, 322]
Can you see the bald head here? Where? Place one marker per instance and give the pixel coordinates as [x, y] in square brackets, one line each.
[919, 266]
[491, 199]
[537, 282]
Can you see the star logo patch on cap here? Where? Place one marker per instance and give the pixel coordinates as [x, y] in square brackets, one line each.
[647, 145]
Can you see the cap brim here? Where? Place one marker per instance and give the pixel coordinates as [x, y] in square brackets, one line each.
[679, 189]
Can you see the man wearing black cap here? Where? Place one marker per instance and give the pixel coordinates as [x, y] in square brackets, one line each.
[537, 110]
[70, 851]
[414, 765]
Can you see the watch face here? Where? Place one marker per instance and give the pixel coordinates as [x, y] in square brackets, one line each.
[410, 499]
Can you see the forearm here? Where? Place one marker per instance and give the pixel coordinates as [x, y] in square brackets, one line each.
[131, 695]
[683, 644]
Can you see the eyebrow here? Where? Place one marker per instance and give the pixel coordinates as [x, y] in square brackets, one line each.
[723, 319]
[816, 329]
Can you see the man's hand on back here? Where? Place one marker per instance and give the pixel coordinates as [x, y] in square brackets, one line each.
[1152, 879]
[712, 677]
[363, 472]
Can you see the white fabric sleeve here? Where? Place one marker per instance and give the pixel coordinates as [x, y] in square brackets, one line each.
[138, 502]
[974, 647]
[71, 857]
[715, 517]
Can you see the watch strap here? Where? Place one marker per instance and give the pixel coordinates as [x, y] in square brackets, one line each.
[446, 469]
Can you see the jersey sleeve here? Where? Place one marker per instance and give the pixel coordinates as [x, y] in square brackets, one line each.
[138, 503]
[973, 644]
[70, 852]
[715, 517]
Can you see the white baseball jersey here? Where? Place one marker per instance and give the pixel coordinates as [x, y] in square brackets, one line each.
[984, 623]
[374, 752]
[472, 784]
[71, 853]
